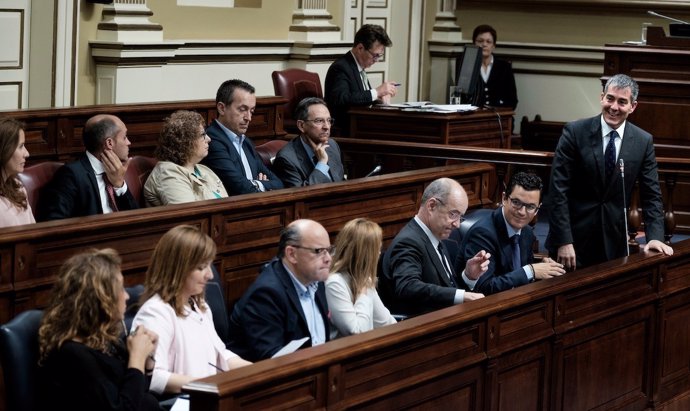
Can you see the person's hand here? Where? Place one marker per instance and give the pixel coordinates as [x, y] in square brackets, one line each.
[387, 88]
[472, 296]
[141, 345]
[656, 245]
[385, 100]
[547, 269]
[114, 168]
[319, 151]
[477, 265]
[566, 256]
[262, 177]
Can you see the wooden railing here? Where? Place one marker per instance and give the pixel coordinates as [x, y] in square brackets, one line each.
[246, 229]
[613, 336]
[56, 133]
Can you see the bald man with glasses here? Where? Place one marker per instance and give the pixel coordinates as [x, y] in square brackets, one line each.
[347, 84]
[416, 275]
[507, 237]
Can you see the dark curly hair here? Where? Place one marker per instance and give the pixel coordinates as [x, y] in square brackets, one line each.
[529, 182]
[178, 135]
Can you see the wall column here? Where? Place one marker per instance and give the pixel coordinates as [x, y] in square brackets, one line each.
[311, 22]
[128, 20]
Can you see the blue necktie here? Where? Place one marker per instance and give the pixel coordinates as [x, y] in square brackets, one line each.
[516, 251]
[610, 154]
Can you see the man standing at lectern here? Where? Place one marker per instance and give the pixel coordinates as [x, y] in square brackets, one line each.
[347, 84]
[586, 209]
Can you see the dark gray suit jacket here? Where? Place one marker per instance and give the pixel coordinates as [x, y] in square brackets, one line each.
[344, 89]
[294, 167]
[73, 192]
[586, 210]
[412, 279]
[224, 160]
[490, 234]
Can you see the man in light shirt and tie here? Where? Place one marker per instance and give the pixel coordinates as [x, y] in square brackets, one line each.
[347, 84]
[231, 155]
[95, 183]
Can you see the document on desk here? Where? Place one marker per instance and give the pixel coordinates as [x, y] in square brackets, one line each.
[291, 347]
[181, 404]
[452, 108]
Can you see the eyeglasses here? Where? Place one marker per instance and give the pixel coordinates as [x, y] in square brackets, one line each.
[321, 121]
[517, 204]
[376, 56]
[454, 215]
[321, 252]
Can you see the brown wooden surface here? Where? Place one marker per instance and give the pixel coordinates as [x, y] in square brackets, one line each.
[480, 128]
[246, 229]
[56, 133]
[613, 336]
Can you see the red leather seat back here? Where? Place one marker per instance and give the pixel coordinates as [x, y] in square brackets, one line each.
[138, 171]
[268, 150]
[295, 84]
[35, 177]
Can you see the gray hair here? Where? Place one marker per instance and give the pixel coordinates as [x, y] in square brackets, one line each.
[439, 188]
[622, 81]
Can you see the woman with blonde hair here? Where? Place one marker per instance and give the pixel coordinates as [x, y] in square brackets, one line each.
[174, 307]
[14, 207]
[351, 287]
[85, 365]
[178, 177]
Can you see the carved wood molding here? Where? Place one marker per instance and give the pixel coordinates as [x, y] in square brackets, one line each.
[584, 5]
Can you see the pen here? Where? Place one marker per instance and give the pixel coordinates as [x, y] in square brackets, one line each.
[397, 84]
[217, 368]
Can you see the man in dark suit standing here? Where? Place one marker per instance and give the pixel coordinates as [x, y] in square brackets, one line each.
[347, 84]
[416, 276]
[231, 155]
[288, 300]
[95, 183]
[312, 157]
[506, 235]
[586, 206]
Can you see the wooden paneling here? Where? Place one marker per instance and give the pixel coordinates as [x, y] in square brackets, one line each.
[246, 229]
[631, 355]
[56, 134]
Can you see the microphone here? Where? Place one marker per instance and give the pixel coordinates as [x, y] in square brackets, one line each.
[375, 171]
[653, 13]
[500, 125]
[621, 165]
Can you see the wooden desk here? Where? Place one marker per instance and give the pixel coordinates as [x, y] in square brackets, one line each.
[56, 133]
[246, 229]
[480, 128]
[613, 336]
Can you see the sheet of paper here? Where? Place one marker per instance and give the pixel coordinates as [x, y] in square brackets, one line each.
[453, 108]
[181, 404]
[291, 347]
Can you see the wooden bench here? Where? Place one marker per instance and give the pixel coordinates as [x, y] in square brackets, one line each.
[246, 229]
[56, 134]
[613, 336]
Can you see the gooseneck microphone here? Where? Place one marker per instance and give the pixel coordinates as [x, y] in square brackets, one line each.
[621, 165]
[654, 13]
[375, 171]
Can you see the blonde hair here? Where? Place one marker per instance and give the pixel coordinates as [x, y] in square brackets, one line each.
[85, 303]
[357, 249]
[177, 254]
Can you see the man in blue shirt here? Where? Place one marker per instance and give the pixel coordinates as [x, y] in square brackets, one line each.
[288, 300]
[231, 155]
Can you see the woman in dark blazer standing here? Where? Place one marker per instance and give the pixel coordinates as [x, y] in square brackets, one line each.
[496, 81]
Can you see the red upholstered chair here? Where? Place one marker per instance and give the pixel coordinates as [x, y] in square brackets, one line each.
[35, 177]
[268, 150]
[138, 171]
[295, 84]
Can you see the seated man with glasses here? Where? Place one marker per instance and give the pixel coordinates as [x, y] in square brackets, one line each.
[416, 275]
[312, 157]
[506, 235]
[288, 300]
[347, 84]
